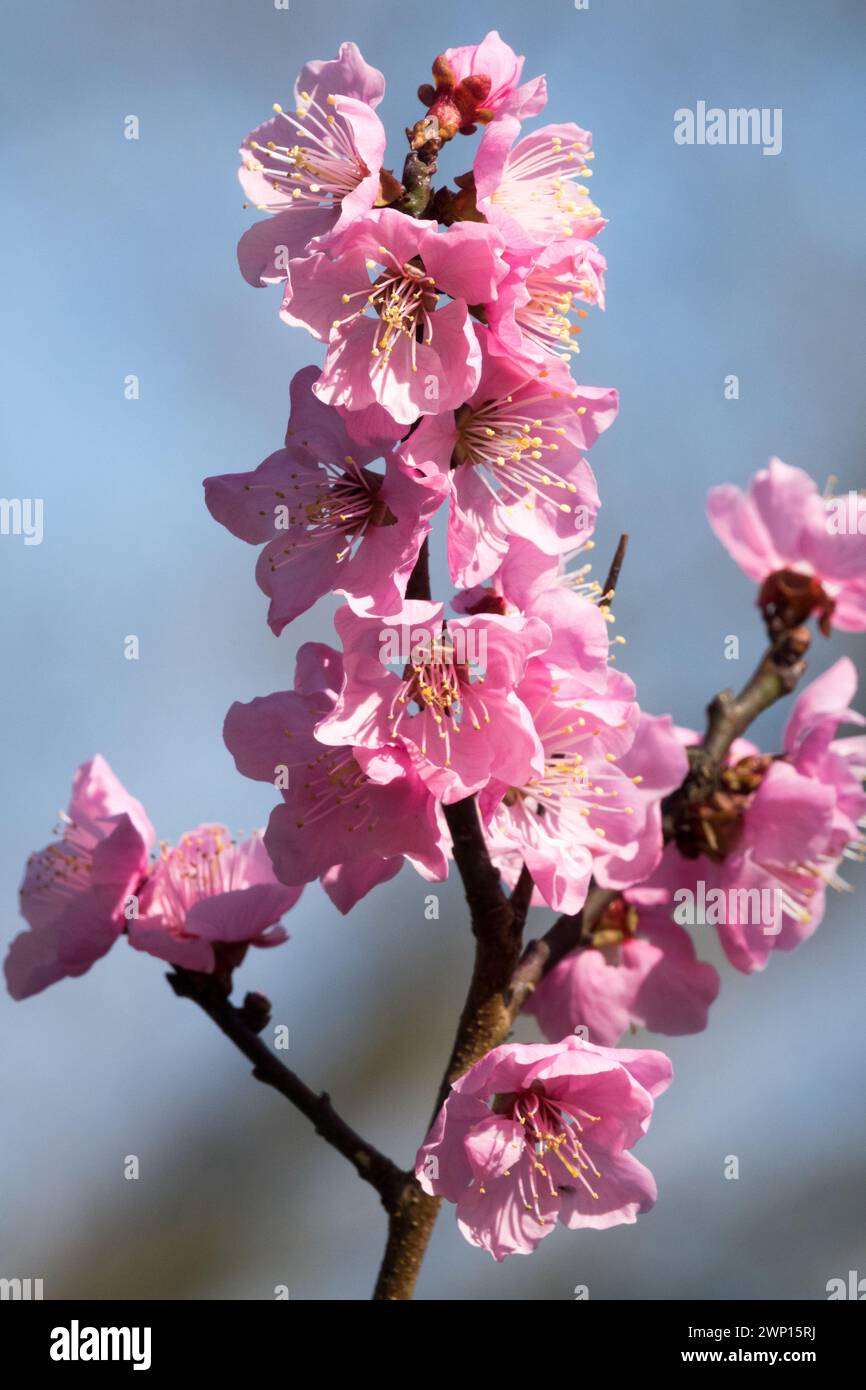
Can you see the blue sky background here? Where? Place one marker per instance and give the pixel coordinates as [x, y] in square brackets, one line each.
[119, 259]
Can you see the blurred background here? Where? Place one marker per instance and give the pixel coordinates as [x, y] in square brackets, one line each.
[119, 259]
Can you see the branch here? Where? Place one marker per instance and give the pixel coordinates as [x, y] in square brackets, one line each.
[729, 715]
[521, 898]
[425, 142]
[418, 585]
[484, 1023]
[497, 926]
[239, 1026]
[615, 566]
[567, 934]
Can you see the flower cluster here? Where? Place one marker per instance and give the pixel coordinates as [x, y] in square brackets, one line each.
[446, 396]
[198, 904]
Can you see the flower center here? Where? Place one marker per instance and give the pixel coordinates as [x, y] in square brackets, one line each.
[63, 868]
[334, 507]
[546, 319]
[318, 170]
[554, 1150]
[443, 692]
[510, 448]
[538, 188]
[568, 786]
[196, 867]
[333, 782]
[403, 297]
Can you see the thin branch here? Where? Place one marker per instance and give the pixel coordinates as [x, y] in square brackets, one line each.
[729, 715]
[521, 899]
[418, 585]
[484, 1022]
[615, 566]
[567, 934]
[371, 1165]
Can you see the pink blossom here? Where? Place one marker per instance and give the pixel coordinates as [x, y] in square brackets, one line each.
[531, 319]
[810, 742]
[74, 891]
[207, 891]
[760, 861]
[536, 585]
[530, 192]
[315, 169]
[539, 1133]
[639, 971]
[328, 522]
[479, 83]
[787, 537]
[513, 456]
[595, 809]
[348, 815]
[377, 307]
[453, 704]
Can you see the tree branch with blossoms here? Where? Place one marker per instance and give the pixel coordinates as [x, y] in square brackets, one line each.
[496, 732]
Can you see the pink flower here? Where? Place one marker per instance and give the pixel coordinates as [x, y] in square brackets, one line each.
[530, 191]
[792, 542]
[513, 455]
[316, 170]
[761, 854]
[531, 319]
[811, 745]
[536, 585]
[348, 815]
[479, 83]
[639, 971]
[595, 809]
[209, 891]
[535, 1134]
[453, 704]
[75, 890]
[327, 521]
[377, 307]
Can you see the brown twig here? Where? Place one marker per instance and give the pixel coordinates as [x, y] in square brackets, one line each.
[484, 1023]
[418, 585]
[615, 566]
[729, 715]
[368, 1162]
[566, 935]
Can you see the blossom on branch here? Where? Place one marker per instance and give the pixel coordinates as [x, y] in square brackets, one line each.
[315, 168]
[761, 852]
[638, 970]
[451, 699]
[328, 522]
[785, 535]
[390, 342]
[514, 457]
[74, 890]
[84, 891]
[535, 1134]
[349, 815]
[477, 84]
[531, 190]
